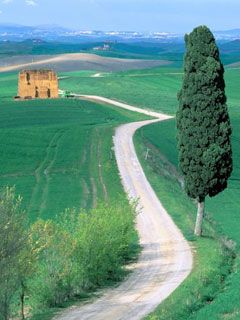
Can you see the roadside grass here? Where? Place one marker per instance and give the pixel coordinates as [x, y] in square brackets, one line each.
[45, 315]
[204, 295]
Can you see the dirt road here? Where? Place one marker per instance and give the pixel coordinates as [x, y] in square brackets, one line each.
[166, 258]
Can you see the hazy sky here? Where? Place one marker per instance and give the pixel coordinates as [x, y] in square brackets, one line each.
[140, 15]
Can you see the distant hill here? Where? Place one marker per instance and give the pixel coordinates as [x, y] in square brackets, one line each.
[231, 46]
[230, 51]
[136, 50]
[16, 32]
[51, 40]
[227, 35]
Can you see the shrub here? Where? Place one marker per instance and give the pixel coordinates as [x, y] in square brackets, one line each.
[81, 251]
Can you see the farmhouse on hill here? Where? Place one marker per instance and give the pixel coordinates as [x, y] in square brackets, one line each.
[39, 84]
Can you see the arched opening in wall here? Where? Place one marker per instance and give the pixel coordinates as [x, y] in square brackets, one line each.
[28, 78]
[36, 92]
[49, 93]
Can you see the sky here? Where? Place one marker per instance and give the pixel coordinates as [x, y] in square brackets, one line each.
[126, 15]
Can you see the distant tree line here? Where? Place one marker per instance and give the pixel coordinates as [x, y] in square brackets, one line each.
[49, 262]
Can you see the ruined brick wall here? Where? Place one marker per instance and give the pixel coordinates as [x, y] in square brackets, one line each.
[42, 84]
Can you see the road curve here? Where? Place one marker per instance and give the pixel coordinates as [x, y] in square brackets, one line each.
[166, 258]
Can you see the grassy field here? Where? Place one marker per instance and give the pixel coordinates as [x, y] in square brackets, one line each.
[54, 153]
[152, 88]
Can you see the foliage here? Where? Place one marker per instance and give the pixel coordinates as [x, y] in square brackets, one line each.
[81, 251]
[53, 261]
[13, 246]
[53, 249]
[202, 119]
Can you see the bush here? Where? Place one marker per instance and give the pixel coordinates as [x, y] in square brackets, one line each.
[80, 252]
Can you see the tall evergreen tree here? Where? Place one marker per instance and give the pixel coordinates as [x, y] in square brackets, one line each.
[203, 124]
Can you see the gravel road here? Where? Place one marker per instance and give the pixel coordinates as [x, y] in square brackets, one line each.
[166, 258]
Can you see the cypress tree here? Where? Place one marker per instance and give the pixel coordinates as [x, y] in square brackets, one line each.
[204, 129]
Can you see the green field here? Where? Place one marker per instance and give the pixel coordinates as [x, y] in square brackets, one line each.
[54, 151]
[152, 88]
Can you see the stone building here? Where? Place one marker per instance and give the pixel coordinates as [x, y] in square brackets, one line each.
[42, 84]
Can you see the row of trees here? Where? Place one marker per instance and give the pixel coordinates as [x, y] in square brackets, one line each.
[51, 261]
[203, 124]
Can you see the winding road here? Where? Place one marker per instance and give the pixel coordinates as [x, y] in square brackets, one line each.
[166, 258]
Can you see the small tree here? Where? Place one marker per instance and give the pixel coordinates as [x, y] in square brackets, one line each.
[12, 244]
[27, 266]
[203, 123]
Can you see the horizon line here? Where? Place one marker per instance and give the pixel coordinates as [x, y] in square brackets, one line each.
[108, 30]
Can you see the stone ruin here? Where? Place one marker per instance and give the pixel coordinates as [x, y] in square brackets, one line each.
[37, 84]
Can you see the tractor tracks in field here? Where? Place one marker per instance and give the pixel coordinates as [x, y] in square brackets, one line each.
[42, 174]
[98, 186]
[92, 180]
[91, 188]
[166, 258]
[100, 166]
